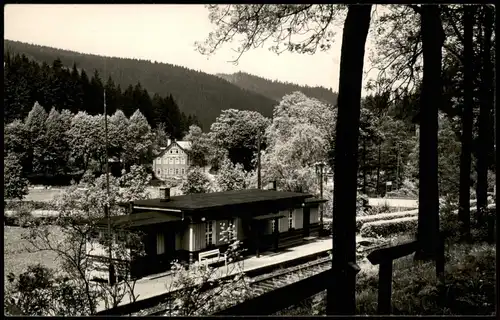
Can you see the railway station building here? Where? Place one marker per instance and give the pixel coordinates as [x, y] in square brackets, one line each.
[188, 227]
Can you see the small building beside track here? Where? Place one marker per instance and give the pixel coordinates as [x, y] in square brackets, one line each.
[183, 227]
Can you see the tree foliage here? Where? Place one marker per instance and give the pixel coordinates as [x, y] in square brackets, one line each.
[231, 176]
[15, 185]
[196, 181]
[71, 290]
[63, 87]
[237, 132]
[298, 137]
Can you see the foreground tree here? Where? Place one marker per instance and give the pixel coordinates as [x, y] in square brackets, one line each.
[485, 113]
[345, 172]
[79, 209]
[431, 97]
[467, 122]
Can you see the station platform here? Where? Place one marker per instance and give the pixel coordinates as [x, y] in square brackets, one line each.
[158, 284]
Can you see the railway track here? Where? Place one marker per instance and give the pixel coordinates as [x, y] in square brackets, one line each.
[277, 278]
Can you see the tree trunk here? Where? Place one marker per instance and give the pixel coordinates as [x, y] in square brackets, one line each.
[378, 168]
[485, 106]
[364, 167]
[431, 95]
[467, 120]
[342, 301]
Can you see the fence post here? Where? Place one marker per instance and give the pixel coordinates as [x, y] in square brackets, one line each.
[385, 287]
[491, 228]
[440, 258]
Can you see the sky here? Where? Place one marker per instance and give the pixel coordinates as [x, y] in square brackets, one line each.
[164, 33]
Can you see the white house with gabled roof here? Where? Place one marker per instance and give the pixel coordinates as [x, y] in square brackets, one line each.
[173, 161]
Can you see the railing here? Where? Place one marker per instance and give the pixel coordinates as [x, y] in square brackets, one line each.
[385, 257]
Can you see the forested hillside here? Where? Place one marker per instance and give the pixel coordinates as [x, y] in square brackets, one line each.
[275, 90]
[195, 92]
[27, 82]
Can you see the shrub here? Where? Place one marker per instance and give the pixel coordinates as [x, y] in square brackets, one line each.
[469, 285]
[386, 228]
[23, 216]
[33, 205]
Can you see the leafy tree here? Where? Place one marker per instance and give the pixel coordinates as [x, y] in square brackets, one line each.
[17, 141]
[202, 147]
[85, 139]
[40, 291]
[237, 131]
[297, 138]
[15, 186]
[118, 133]
[35, 125]
[134, 184]
[56, 153]
[79, 208]
[230, 176]
[138, 148]
[196, 182]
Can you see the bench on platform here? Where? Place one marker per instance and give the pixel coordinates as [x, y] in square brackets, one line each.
[211, 256]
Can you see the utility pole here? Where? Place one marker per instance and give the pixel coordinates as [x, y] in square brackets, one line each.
[111, 268]
[320, 165]
[259, 182]
[397, 168]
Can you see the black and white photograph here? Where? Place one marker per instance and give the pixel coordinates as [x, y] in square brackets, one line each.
[332, 159]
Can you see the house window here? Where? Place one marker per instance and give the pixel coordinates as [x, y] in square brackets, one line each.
[159, 171]
[176, 160]
[176, 151]
[170, 160]
[176, 171]
[171, 171]
[209, 235]
[183, 160]
[171, 151]
[160, 243]
[291, 224]
[183, 171]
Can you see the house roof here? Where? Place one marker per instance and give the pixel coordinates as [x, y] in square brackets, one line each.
[184, 145]
[139, 219]
[224, 200]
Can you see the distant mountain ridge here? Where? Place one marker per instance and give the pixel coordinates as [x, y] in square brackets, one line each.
[195, 92]
[275, 90]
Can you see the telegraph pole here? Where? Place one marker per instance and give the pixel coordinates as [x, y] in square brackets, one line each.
[111, 268]
[321, 165]
[259, 182]
[397, 169]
